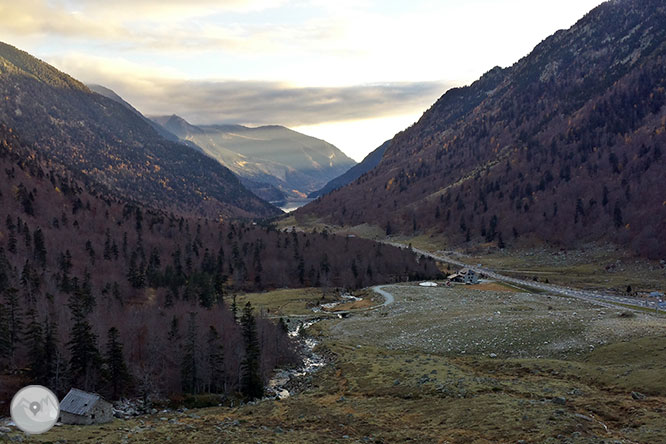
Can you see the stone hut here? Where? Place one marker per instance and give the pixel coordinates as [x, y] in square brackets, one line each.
[84, 408]
[466, 276]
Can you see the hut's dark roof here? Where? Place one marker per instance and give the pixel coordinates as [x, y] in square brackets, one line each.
[78, 402]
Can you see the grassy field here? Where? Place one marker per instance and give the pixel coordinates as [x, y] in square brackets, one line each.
[301, 301]
[387, 396]
[468, 364]
[297, 301]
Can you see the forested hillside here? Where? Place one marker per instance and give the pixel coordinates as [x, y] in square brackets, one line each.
[267, 158]
[368, 163]
[565, 146]
[82, 272]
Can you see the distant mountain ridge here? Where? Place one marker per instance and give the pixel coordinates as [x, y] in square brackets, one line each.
[112, 145]
[565, 146]
[110, 94]
[368, 163]
[273, 155]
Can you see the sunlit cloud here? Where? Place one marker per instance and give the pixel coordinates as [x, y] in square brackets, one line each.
[38, 17]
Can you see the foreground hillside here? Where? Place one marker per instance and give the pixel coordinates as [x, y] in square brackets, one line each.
[469, 364]
[565, 146]
[292, 162]
[114, 146]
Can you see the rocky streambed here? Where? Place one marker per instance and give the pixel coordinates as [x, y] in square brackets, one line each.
[287, 382]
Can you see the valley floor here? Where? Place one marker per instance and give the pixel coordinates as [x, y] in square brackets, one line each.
[468, 364]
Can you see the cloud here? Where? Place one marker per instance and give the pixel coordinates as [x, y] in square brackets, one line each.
[172, 27]
[155, 91]
[38, 17]
[169, 8]
[274, 102]
[256, 102]
[164, 25]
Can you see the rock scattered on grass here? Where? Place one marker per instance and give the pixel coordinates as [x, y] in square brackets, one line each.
[638, 396]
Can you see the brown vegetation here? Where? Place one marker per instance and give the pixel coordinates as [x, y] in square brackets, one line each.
[564, 146]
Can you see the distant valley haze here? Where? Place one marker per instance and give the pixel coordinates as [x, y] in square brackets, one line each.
[351, 73]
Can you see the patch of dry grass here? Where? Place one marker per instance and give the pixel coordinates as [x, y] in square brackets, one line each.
[298, 301]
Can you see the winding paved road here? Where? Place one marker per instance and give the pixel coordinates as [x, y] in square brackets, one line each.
[604, 299]
[388, 297]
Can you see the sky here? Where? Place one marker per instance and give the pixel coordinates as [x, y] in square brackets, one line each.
[352, 72]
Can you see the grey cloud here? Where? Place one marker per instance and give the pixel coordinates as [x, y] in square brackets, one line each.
[273, 102]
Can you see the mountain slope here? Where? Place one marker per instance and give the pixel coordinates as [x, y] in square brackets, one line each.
[110, 94]
[265, 191]
[111, 145]
[294, 163]
[565, 146]
[369, 162]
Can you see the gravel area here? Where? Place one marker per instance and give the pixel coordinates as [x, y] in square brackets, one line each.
[462, 320]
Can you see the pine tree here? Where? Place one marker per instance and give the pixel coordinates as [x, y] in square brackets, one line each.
[85, 295]
[251, 384]
[125, 244]
[301, 270]
[218, 283]
[27, 238]
[107, 246]
[54, 365]
[11, 242]
[39, 247]
[30, 280]
[117, 373]
[14, 321]
[215, 361]
[5, 343]
[234, 308]
[91, 252]
[153, 274]
[500, 242]
[135, 273]
[65, 264]
[34, 341]
[189, 370]
[617, 216]
[173, 335]
[604, 199]
[5, 270]
[85, 361]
